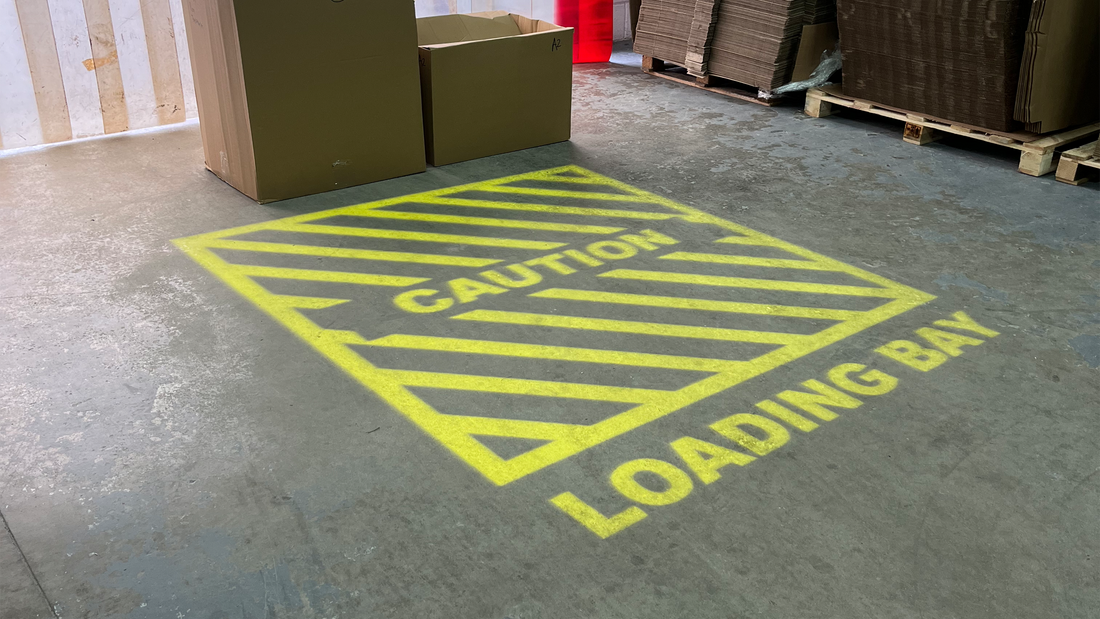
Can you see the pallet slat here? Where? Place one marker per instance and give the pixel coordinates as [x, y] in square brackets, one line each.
[1071, 162]
[1036, 152]
[658, 68]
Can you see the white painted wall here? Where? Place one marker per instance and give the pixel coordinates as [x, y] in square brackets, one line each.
[19, 124]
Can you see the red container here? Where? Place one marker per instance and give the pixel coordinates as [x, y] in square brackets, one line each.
[591, 21]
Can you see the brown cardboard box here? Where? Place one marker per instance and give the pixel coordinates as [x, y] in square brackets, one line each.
[299, 97]
[1058, 85]
[493, 83]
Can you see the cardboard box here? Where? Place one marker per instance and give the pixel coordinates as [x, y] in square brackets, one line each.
[493, 83]
[299, 97]
[1058, 85]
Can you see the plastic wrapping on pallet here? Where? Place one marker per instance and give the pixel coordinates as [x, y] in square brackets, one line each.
[830, 64]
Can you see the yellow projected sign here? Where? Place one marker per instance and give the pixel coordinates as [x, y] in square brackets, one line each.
[523, 320]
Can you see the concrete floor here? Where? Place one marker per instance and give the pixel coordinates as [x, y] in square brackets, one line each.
[167, 450]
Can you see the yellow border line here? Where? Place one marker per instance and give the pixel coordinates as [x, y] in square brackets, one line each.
[457, 432]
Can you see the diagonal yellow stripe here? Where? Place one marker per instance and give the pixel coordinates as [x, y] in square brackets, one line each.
[561, 193]
[733, 307]
[806, 265]
[751, 240]
[629, 326]
[313, 303]
[343, 252]
[403, 235]
[549, 208]
[758, 284]
[522, 386]
[581, 180]
[485, 221]
[514, 428]
[557, 353]
[336, 277]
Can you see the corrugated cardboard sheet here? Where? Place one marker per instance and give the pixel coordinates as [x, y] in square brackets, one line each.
[950, 59]
[303, 97]
[1058, 76]
[749, 41]
[817, 39]
[663, 29]
[493, 83]
[460, 28]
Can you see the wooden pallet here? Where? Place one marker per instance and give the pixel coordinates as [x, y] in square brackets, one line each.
[1071, 162]
[1036, 151]
[675, 73]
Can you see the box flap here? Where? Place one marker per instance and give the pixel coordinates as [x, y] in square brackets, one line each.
[446, 29]
[816, 39]
[1058, 86]
[532, 26]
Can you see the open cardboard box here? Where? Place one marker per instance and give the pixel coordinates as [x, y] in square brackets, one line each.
[493, 83]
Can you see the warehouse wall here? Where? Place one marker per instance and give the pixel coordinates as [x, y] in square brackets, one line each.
[622, 20]
[79, 68]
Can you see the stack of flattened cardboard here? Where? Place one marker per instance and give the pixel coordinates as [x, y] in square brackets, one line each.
[756, 41]
[700, 35]
[749, 41]
[820, 11]
[957, 61]
[663, 29]
[1058, 85]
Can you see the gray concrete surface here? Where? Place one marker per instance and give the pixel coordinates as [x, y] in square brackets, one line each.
[20, 595]
[169, 451]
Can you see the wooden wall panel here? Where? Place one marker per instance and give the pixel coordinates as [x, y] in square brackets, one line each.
[160, 38]
[70, 31]
[104, 61]
[18, 110]
[183, 54]
[133, 62]
[77, 68]
[49, 90]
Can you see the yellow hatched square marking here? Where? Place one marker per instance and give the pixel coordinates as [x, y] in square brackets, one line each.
[445, 231]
